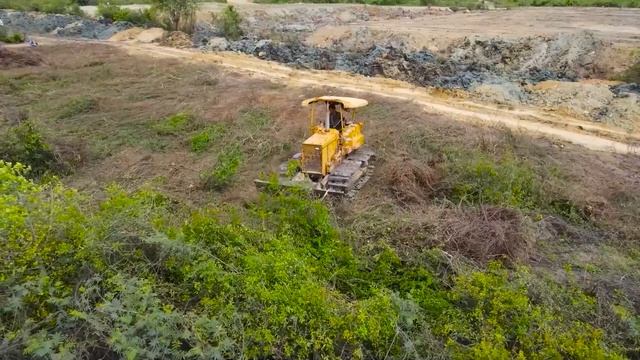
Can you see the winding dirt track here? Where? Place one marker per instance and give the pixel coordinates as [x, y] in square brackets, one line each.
[589, 135]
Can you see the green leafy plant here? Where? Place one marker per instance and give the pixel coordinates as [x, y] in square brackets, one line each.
[11, 38]
[293, 167]
[26, 145]
[113, 12]
[508, 183]
[203, 139]
[180, 13]
[138, 276]
[230, 21]
[173, 124]
[225, 169]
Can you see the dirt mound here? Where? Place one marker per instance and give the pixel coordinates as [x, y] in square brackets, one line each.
[590, 100]
[177, 39]
[127, 35]
[151, 35]
[565, 56]
[18, 58]
[486, 233]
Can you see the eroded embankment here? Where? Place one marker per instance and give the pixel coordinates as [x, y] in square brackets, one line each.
[494, 70]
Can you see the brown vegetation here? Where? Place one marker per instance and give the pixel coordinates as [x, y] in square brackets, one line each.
[410, 181]
[18, 57]
[487, 233]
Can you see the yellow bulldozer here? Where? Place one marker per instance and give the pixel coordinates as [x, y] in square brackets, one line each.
[333, 159]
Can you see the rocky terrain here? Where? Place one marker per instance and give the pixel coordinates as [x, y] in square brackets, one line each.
[539, 70]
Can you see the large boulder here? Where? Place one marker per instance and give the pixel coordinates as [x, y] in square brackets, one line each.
[218, 44]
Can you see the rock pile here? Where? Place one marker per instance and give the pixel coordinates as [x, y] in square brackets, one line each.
[60, 25]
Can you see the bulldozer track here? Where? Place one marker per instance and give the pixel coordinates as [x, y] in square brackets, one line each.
[587, 134]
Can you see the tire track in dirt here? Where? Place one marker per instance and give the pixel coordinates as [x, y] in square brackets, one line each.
[588, 135]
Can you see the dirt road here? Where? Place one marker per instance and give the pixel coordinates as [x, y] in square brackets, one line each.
[589, 135]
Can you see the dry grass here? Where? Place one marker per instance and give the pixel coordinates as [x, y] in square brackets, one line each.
[18, 57]
[487, 233]
[410, 181]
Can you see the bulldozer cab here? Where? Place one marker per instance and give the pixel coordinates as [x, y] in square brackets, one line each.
[334, 133]
[332, 112]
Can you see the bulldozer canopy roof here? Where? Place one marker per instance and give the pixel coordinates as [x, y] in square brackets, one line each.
[346, 102]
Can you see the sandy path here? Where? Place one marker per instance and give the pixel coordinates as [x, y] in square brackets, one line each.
[589, 135]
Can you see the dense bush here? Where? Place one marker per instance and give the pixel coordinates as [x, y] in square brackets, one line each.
[180, 14]
[507, 183]
[48, 6]
[230, 21]
[144, 17]
[25, 144]
[140, 277]
[224, 170]
[478, 179]
[10, 38]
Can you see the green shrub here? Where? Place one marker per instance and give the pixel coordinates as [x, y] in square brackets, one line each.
[203, 139]
[179, 13]
[138, 276]
[507, 182]
[293, 167]
[230, 21]
[225, 169]
[14, 38]
[145, 17]
[631, 75]
[173, 124]
[504, 323]
[26, 145]
[477, 179]
[48, 6]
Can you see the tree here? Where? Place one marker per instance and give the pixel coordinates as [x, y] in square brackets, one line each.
[231, 20]
[177, 11]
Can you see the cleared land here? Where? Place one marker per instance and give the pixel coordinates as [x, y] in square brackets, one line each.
[115, 139]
